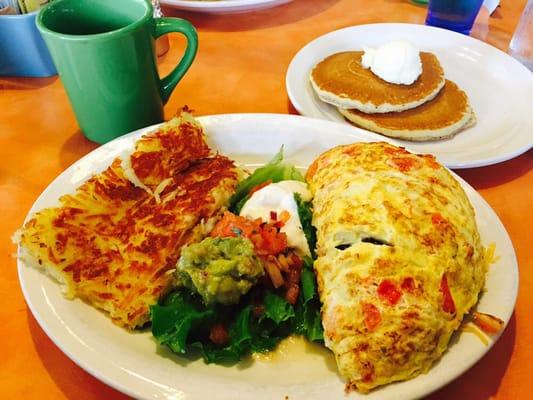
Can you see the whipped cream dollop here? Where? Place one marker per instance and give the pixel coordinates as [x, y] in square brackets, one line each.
[395, 62]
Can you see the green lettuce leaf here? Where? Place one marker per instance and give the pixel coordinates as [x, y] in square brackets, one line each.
[276, 308]
[275, 170]
[273, 325]
[308, 285]
[182, 323]
[240, 333]
[305, 212]
[216, 355]
[311, 322]
[239, 344]
[173, 321]
[308, 321]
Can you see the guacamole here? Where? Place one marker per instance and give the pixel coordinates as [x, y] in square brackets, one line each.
[220, 270]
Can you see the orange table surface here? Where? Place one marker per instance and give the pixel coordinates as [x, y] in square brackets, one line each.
[240, 67]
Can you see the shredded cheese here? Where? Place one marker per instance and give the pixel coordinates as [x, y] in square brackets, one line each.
[490, 254]
[472, 328]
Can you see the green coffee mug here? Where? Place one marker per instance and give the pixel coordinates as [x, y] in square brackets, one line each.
[104, 53]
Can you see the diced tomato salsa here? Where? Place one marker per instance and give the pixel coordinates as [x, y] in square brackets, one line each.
[283, 267]
[265, 237]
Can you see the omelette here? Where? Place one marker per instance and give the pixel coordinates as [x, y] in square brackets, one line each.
[114, 242]
[399, 262]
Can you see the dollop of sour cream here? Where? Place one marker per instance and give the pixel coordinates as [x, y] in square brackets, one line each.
[279, 197]
[395, 62]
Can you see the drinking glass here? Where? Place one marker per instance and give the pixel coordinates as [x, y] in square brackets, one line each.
[456, 15]
[521, 46]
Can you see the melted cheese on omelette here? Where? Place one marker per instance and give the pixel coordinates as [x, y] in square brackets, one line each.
[114, 244]
[399, 260]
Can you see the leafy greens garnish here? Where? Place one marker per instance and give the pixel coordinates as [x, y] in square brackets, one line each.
[180, 314]
[276, 309]
[275, 171]
[306, 215]
[308, 322]
[262, 318]
[182, 322]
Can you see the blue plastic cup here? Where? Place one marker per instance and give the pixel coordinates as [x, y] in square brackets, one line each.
[456, 15]
[22, 49]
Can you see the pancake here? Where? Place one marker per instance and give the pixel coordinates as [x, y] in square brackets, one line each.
[400, 260]
[341, 80]
[444, 116]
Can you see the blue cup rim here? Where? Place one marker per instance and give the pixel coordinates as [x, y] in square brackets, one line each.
[20, 16]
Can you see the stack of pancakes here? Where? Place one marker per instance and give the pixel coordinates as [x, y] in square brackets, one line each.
[431, 108]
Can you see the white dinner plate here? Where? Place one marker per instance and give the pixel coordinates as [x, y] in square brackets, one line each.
[222, 6]
[134, 364]
[499, 87]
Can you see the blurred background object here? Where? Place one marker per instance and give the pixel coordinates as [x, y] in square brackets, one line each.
[28, 6]
[521, 46]
[9, 7]
[162, 43]
[491, 5]
[455, 15]
[22, 49]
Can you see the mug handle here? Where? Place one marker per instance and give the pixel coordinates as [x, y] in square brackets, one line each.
[167, 25]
